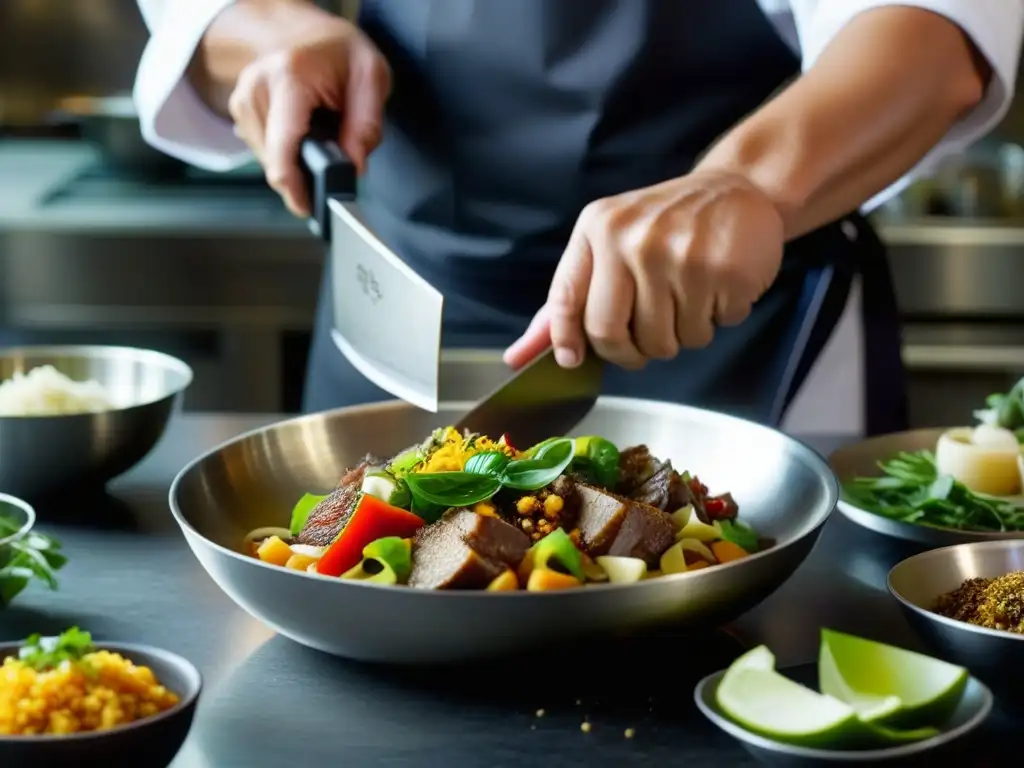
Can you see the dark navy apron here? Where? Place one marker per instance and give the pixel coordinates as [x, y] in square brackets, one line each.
[506, 118]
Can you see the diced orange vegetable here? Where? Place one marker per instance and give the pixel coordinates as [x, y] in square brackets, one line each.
[697, 565]
[543, 580]
[300, 562]
[507, 582]
[525, 567]
[726, 551]
[273, 550]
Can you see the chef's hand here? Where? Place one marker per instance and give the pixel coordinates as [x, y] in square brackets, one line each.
[329, 63]
[652, 271]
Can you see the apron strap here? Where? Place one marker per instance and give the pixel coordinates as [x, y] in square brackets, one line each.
[822, 303]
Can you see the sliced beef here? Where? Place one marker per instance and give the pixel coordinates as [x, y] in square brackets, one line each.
[612, 525]
[329, 516]
[636, 467]
[465, 550]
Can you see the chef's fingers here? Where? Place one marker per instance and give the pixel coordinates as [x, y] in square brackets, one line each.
[291, 106]
[695, 306]
[567, 300]
[369, 83]
[534, 341]
[731, 308]
[610, 304]
[248, 109]
[654, 308]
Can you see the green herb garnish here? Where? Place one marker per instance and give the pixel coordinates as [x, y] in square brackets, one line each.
[42, 653]
[490, 463]
[450, 489]
[33, 556]
[544, 468]
[597, 459]
[911, 490]
[740, 534]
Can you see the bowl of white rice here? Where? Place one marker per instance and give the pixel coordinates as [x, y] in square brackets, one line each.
[81, 416]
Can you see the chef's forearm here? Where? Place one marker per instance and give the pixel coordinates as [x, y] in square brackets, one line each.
[886, 90]
[245, 30]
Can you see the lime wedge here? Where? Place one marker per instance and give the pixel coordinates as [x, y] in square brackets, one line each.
[766, 703]
[887, 685]
[756, 658]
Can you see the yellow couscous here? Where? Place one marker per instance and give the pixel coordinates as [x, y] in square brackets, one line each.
[100, 691]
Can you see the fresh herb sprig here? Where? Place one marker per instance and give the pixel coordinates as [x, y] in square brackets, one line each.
[911, 490]
[33, 556]
[42, 653]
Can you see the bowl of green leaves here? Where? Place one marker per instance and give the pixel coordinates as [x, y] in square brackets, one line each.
[25, 554]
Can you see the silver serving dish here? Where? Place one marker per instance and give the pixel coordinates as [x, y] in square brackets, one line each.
[784, 489]
[996, 657]
[861, 460]
[974, 708]
[43, 454]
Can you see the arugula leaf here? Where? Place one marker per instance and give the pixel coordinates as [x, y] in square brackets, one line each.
[42, 653]
[911, 490]
[301, 511]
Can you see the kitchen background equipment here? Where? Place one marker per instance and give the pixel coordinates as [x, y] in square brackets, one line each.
[112, 125]
[861, 459]
[974, 708]
[784, 490]
[387, 319]
[996, 657]
[40, 455]
[541, 400]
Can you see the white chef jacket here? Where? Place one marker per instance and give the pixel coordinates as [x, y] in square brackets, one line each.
[176, 121]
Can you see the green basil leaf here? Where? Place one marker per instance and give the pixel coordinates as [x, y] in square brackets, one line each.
[739, 533]
[489, 463]
[450, 489]
[550, 462]
[301, 510]
[531, 453]
[599, 459]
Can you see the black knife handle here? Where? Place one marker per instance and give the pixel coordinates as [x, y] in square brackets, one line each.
[329, 172]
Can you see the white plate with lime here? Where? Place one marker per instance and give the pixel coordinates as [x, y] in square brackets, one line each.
[862, 702]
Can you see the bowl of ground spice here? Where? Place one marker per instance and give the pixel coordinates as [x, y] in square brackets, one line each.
[967, 603]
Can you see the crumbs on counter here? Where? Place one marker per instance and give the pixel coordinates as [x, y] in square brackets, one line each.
[630, 733]
[540, 713]
[585, 726]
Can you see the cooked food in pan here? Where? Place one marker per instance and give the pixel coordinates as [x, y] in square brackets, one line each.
[468, 512]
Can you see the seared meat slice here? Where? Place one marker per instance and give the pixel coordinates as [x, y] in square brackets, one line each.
[329, 516]
[465, 550]
[611, 525]
[636, 467]
[657, 489]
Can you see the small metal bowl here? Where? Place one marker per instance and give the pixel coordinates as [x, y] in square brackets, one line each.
[995, 656]
[974, 707]
[149, 743]
[45, 454]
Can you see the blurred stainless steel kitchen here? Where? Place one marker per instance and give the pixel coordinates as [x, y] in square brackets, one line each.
[104, 241]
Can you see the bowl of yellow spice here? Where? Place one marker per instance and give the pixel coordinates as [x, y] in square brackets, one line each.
[967, 603]
[65, 701]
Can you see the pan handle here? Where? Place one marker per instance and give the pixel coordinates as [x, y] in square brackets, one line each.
[328, 170]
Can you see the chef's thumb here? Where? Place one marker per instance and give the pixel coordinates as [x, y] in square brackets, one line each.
[365, 94]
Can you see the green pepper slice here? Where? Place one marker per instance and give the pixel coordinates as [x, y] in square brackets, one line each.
[556, 552]
[385, 561]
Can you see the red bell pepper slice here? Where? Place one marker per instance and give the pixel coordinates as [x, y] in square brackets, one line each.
[372, 519]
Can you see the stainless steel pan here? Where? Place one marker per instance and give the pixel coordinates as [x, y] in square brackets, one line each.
[784, 489]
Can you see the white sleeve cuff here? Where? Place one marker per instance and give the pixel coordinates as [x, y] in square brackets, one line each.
[996, 28]
[172, 117]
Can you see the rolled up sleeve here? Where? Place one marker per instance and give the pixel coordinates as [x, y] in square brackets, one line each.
[995, 27]
[172, 116]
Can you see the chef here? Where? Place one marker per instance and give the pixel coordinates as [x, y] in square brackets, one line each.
[677, 185]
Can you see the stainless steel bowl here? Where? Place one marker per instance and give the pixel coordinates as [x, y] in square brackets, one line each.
[994, 656]
[43, 454]
[784, 489]
[861, 460]
[972, 711]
